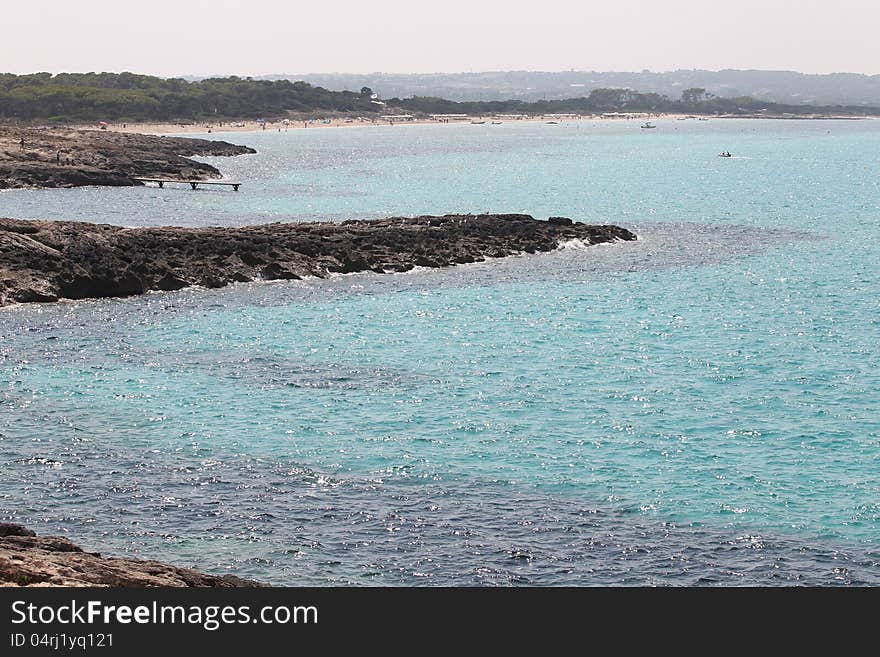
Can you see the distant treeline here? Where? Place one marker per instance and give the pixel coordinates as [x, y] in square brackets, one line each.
[126, 96]
[769, 86]
[692, 101]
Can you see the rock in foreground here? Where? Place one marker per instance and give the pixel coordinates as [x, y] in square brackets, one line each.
[30, 560]
[51, 260]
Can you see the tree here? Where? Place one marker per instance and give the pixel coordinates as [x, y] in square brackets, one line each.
[693, 96]
[610, 99]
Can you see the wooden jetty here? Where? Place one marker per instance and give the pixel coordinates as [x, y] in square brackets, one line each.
[192, 183]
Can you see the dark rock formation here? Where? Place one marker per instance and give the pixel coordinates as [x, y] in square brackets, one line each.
[56, 157]
[49, 260]
[30, 560]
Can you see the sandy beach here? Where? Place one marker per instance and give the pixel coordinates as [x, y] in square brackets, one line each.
[280, 125]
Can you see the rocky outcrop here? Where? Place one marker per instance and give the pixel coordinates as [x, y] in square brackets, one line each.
[50, 260]
[30, 560]
[60, 157]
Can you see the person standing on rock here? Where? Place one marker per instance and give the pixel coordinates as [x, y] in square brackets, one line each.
[21, 144]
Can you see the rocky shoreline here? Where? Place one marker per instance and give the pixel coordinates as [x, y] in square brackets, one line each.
[50, 260]
[66, 157]
[30, 560]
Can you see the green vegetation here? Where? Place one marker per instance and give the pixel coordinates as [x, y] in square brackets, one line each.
[130, 97]
[126, 96]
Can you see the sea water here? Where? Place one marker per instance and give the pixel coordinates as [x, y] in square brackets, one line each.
[699, 406]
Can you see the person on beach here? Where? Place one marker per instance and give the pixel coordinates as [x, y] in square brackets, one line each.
[21, 144]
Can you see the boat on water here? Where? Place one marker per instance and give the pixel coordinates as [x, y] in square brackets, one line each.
[552, 122]
[477, 122]
[725, 154]
[496, 122]
[648, 126]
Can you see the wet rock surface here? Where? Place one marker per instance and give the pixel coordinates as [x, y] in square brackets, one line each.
[30, 560]
[51, 260]
[66, 157]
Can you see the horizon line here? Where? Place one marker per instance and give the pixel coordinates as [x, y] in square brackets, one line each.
[482, 72]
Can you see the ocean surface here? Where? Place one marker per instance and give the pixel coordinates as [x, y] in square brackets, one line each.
[697, 407]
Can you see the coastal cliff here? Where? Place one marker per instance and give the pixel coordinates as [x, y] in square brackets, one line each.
[63, 157]
[30, 560]
[51, 260]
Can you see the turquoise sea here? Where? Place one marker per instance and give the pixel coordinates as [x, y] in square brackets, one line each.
[697, 407]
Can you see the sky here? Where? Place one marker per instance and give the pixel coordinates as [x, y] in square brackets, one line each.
[208, 37]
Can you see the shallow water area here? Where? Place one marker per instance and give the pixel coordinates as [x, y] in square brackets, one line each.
[695, 407]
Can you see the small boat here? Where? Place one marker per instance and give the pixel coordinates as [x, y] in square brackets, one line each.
[648, 126]
[725, 154]
[552, 122]
[703, 118]
[478, 122]
[496, 122]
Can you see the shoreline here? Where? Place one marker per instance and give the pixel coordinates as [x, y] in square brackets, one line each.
[251, 126]
[45, 261]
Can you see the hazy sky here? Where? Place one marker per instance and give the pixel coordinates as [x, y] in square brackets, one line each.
[178, 37]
